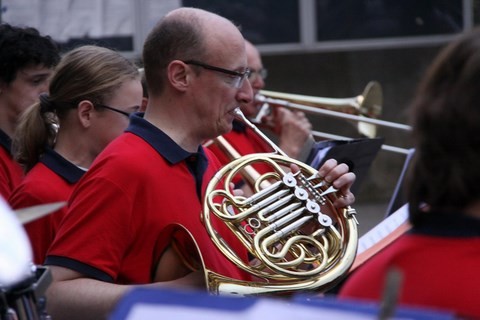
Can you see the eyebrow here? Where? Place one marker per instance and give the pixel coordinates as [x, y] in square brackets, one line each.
[36, 74]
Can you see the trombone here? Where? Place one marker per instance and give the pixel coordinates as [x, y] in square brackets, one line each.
[363, 109]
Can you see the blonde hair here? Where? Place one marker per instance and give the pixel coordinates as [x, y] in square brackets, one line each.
[85, 73]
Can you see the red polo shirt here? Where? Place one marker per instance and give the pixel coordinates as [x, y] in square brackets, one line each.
[128, 207]
[50, 180]
[11, 173]
[245, 141]
[439, 262]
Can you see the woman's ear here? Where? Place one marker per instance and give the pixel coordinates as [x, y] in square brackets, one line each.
[85, 109]
[179, 75]
[143, 107]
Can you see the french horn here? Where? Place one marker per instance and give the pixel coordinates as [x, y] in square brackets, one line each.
[295, 237]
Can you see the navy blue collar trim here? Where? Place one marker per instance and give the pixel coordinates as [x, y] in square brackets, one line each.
[5, 141]
[169, 149]
[448, 225]
[162, 143]
[238, 126]
[61, 166]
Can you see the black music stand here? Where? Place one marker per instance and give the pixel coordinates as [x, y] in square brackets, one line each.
[358, 154]
[399, 198]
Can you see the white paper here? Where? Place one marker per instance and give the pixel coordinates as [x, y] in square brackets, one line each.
[15, 250]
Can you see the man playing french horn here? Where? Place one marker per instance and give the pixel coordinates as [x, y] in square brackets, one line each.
[136, 217]
[291, 129]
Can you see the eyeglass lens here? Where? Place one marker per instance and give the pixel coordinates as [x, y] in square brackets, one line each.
[262, 73]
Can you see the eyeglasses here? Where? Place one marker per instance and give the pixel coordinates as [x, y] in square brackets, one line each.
[262, 73]
[239, 76]
[116, 110]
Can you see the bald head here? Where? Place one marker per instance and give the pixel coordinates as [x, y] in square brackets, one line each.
[198, 16]
[252, 51]
[214, 31]
[185, 34]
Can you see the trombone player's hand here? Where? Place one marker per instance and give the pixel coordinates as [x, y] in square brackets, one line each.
[339, 176]
[293, 129]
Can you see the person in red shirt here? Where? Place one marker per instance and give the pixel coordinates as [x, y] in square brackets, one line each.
[135, 216]
[89, 110]
[438, 260]
[26, 62]
[291, 131]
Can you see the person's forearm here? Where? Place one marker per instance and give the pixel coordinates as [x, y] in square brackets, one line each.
[83, 299]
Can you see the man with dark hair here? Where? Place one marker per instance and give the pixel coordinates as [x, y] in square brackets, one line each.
[26, 62]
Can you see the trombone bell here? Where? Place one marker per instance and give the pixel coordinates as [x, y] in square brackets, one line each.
[368, 104]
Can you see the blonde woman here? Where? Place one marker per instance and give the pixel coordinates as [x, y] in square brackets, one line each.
[91, 95]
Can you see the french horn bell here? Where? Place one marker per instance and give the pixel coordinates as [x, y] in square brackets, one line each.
[295, 237]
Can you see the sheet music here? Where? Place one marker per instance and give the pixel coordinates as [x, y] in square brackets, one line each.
[319, 157]
[158, 303]
[262, 309]
[383, 229]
